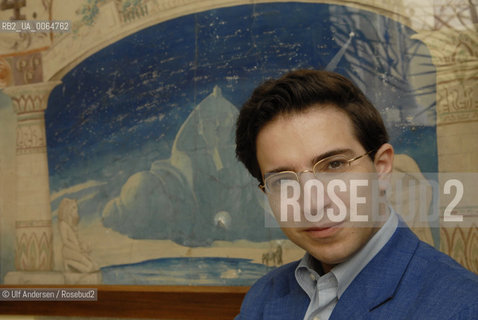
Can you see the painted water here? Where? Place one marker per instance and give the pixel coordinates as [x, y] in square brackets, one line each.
[187, 271]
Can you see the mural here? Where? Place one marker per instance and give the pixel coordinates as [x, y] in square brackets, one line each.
[142, 132]
[140, 135]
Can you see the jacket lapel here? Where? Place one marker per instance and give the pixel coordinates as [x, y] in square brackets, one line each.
[291, 302]
[377, 283]
[292, 306]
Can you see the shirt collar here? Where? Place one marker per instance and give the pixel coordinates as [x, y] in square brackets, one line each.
[309, 268]
[348, 270]
[307, 273]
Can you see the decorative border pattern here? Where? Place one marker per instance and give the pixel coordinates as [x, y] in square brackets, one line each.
[34, 250]
[462, 245]
[30, 98]
[455, 55]
[33, 224]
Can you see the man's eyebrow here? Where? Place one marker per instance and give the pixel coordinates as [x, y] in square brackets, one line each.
[276, 170]
[329, 154]
[314, 160]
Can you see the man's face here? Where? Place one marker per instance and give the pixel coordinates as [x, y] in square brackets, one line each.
[295, 142]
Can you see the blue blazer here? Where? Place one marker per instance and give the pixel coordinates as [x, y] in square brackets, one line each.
[407, 279]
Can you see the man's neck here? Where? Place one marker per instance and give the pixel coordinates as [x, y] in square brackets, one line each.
[384, 212]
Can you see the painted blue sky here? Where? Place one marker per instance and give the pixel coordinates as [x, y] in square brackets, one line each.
[119, 110]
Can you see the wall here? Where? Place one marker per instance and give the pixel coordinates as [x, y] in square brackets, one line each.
[96, 109]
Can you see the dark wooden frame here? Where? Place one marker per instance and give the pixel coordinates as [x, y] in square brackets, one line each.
[158, 302]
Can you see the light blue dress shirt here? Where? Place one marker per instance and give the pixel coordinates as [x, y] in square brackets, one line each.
[325, 290]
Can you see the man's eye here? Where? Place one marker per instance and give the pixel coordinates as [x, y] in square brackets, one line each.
[336, 164]
[283, 179]
[275, 182]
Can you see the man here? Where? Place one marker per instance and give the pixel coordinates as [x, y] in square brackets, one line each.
[300, 132]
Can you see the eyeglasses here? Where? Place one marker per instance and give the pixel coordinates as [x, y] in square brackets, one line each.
[334, 164]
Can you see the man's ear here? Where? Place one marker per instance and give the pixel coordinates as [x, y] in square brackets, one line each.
[383, 162]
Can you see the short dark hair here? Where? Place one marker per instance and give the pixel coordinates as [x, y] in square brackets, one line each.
[296, 92]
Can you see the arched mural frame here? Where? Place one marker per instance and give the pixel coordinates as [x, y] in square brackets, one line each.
[139, 32]
[443, 44]
[176, 8]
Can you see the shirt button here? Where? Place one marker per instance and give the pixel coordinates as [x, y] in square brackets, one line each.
[316, 318]
[312, 277]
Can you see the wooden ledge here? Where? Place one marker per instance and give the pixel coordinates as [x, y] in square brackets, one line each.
[167, 302]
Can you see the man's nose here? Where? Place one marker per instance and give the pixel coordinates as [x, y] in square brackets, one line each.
[313, 196]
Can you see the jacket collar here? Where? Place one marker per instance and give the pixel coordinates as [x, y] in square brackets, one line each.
[374, 285]
[378, 281]
[287, 307]
[292, 301]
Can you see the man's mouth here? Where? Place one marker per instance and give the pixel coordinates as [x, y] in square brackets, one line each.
[324, 231]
